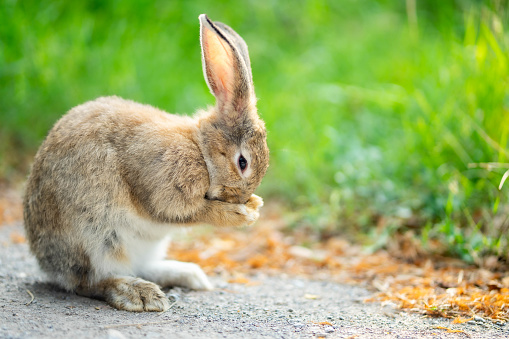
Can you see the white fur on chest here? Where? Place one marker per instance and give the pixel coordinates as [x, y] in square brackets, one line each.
[142, 243]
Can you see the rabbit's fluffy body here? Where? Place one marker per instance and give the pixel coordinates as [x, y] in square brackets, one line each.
[112, 175]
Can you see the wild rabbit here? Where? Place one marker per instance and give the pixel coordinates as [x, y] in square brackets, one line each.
[113, 176]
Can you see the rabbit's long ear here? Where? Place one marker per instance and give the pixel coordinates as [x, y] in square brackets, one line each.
[226, 67]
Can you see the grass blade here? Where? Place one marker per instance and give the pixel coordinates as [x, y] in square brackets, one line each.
[504, 178]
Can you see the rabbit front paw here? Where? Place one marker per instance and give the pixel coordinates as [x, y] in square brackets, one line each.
[247, 215]
[251, 210]
[254, 202]
[219, 213]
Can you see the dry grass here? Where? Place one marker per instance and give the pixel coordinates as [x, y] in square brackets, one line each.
[433, 286]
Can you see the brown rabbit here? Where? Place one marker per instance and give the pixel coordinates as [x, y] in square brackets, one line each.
[113, 176]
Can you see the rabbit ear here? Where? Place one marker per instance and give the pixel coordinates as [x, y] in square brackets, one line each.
[239, 43]
[226, 67]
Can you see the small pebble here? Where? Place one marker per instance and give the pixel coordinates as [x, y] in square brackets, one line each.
[479, 319]
[173, 297]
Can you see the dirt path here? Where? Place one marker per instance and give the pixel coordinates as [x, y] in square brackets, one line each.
[269, 307]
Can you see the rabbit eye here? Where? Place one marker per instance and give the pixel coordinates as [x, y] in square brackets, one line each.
[242, 163]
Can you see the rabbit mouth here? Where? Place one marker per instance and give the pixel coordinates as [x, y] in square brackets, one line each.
[208, 197]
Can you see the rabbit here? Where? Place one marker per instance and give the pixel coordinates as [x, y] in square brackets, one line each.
[114, 176]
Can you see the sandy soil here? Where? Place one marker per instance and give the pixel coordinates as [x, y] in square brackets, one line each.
[269, 307]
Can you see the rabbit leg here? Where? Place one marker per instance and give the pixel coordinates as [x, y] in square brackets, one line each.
[219, 213]
[128, 293]
[176, 273]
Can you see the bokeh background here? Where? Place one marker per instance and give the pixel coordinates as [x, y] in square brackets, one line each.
[388, 120]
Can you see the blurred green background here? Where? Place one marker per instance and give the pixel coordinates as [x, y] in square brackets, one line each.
[382, 115]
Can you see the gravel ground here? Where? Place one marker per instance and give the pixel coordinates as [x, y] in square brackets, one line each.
[271, 307]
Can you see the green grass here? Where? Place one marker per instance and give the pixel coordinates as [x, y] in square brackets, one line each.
[374, 117]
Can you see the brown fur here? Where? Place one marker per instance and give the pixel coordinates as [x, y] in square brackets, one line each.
[111, 169]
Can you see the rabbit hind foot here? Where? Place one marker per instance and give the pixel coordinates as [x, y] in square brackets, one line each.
[129, 294]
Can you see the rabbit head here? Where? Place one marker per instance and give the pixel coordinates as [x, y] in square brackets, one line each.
[232, 136]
